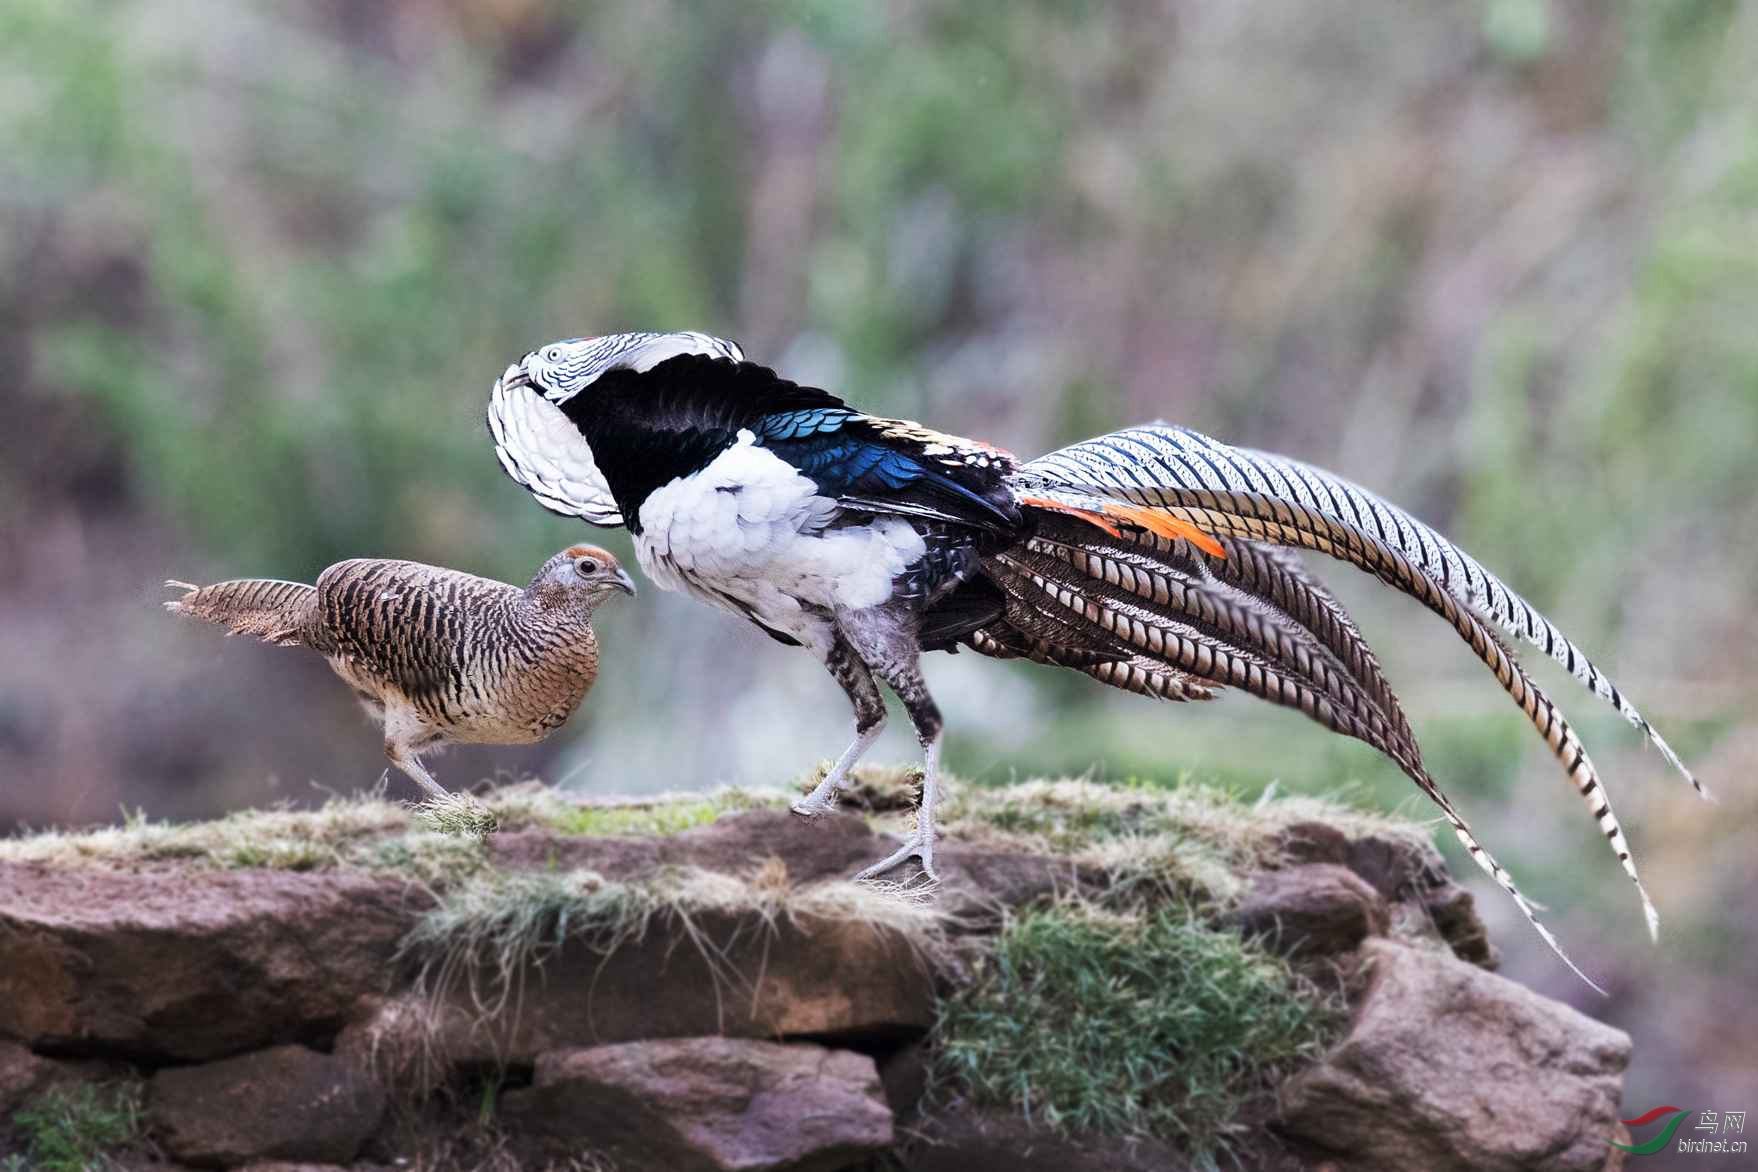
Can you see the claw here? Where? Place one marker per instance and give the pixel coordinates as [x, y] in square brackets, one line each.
[917, 846]
[813, 805]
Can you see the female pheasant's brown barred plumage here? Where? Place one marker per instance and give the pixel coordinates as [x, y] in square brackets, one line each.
[441, 657]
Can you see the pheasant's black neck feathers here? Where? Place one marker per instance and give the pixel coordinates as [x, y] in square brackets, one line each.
[648, 428]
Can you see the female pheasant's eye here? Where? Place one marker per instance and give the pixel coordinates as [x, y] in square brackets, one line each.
[586, 567]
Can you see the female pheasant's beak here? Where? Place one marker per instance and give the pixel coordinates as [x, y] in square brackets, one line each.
[625, 583]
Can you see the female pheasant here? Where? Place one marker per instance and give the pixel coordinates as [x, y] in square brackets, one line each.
[1151, 559]
[439, 656]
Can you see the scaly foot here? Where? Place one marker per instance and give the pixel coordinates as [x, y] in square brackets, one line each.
[822, 799]
[919, 845]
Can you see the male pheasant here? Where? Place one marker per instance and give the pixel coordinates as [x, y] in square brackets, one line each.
[1151, 559]
[440, 657]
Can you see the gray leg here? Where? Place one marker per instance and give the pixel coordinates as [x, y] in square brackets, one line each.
[407, 762]
[904, 675]
[869, 706]
[404, 736]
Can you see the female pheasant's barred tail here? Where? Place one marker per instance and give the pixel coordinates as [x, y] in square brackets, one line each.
[276, 612]
[1265, 497]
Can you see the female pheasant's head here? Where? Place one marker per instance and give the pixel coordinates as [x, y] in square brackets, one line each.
[587, 573]
[541, 447]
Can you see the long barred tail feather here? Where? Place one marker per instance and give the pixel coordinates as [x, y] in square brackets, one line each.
[1076, 599]
[1302, 650]
[1264, 497]
[1540, 710]
[1072, 602]
[276, 612]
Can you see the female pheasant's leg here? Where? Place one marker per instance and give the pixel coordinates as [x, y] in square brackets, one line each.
[406, 735]
[869, 706]
[406, 761]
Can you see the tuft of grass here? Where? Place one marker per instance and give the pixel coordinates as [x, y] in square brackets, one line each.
[489, 932]
[505, 922]
[75, 1129]
[1154, 1024]
[457, 814]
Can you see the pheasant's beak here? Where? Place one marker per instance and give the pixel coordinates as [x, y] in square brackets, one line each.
[625, 583]
[515, 376]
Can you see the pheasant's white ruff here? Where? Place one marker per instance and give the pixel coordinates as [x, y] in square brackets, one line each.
[541, 449]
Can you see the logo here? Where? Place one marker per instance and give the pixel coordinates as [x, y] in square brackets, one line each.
[1714, 1122]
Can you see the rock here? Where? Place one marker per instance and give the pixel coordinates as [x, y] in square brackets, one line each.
[189, 964]
[1315, 909]
[979, 885]
[285, 1103]
[974, 880]
[1314, 842]
[1411, 875]
[1449, 1068]
[1452, 911]
[818, 848]
[966, 1139]
[388, 1042]
[22, 1075]
[740, 975]
[904, 1074]
[707, 1104]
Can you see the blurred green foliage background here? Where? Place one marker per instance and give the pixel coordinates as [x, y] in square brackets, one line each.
[1495, 258]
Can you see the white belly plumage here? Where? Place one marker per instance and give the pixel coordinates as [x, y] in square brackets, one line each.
[750, 533]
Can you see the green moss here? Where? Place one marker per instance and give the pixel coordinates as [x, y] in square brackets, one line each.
[655, 819]
[79, 1128]
[1128, 1025]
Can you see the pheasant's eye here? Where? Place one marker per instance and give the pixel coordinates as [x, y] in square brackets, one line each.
[552, 354]
[585, 567]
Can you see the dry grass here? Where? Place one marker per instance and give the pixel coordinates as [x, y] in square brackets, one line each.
[283, 837]
[1188, 841]
[430, 842]
[486, 935]
[457, 814]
